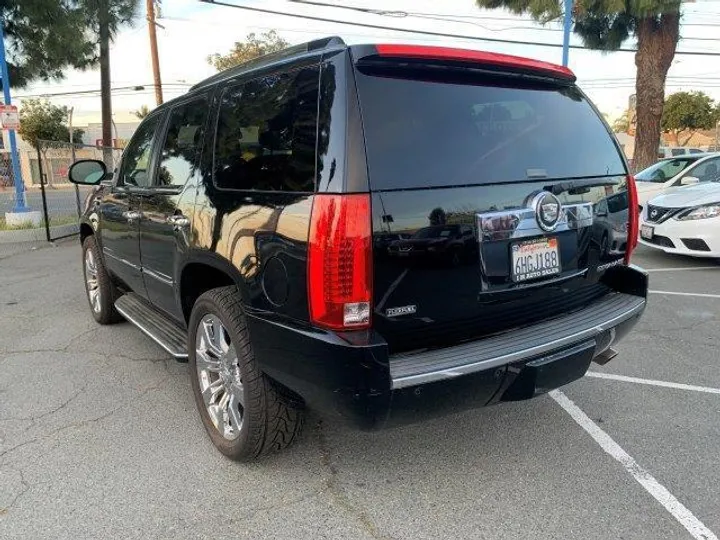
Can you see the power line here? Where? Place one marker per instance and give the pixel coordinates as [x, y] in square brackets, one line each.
[448, 17]
[138, 88]
[454, 18]
[433, 33]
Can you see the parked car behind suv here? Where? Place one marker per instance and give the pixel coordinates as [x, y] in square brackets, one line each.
[248, 229]
[671, 173]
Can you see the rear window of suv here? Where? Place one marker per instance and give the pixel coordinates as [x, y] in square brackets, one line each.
[422, 133]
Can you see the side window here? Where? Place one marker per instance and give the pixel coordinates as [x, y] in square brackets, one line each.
[707, 171]
[601, 208]
[136, 158]
[677, 151]
[266, 133]
[180, 151]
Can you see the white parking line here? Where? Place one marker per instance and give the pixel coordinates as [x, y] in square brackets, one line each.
[689, 268]
[653, 382]
[673, 293]
[686, 518]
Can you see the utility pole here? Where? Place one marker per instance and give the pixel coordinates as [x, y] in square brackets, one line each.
[567, 23]
[154, 51]
[20, 205]
[105, 98]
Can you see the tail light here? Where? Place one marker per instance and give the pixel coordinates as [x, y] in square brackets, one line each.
[340, 262]
[633, 218]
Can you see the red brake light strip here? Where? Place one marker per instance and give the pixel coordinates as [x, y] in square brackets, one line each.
[489, 58]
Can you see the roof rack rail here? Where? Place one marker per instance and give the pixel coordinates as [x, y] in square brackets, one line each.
[272, 58]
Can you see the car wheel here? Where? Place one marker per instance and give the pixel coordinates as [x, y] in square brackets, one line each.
[245, 413]
[101, 293]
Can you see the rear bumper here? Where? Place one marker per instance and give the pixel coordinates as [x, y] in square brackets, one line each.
[359, 382]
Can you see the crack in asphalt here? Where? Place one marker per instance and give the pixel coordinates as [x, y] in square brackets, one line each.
[60, 407]
[25, 487]
[334, 489]
[85, 422]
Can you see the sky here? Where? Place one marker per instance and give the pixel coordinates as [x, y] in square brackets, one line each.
[191, 30]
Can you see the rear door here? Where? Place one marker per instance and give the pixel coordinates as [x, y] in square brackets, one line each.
[120, 210]
[167, 205]
[490, 183]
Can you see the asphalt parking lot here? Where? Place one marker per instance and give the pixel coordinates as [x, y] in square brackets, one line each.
[99, 438]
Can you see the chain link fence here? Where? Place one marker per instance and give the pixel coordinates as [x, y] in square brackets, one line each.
[61, 200]
[15, 234]
[47, 191]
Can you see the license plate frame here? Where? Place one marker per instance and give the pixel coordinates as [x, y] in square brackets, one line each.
[534, 253]
[649, 235]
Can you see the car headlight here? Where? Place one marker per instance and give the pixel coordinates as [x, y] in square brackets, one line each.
[701, 212]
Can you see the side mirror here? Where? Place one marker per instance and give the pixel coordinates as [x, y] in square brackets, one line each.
[689, 180]
[602, 213]
[87, 172]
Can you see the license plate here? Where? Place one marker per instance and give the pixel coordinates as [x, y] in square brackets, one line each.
[646, 231]
[534, 259]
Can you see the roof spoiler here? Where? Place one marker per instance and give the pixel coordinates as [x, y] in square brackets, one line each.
[494, 61]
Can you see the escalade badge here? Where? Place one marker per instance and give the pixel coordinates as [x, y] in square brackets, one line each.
[548, 210]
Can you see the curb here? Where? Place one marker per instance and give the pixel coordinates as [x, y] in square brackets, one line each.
[36, 235]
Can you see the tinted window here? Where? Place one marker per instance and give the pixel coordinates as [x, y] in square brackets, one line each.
[267, 129]
[707, 171]
[664, 170]
[421, 133]
[617, 203]
[695, 151]
[136, 158]
[181, 148]
[677, 151]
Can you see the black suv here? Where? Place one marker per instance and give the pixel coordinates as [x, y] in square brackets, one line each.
[379, 232]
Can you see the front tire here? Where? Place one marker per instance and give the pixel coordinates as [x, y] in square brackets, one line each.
[244, 412]
[101, 293]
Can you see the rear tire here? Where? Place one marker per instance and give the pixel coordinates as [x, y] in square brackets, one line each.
[100, 290]
[245, 413]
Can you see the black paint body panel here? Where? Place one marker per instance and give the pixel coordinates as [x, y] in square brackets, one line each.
[427, 293]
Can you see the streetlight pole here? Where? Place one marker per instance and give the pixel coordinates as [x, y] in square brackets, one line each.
[567, 23]
[20, 205]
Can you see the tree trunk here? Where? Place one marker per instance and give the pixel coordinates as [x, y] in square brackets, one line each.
[687, 140]
[105, 100]
[657, 40]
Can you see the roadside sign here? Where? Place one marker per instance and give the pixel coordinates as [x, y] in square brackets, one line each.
[9, 117]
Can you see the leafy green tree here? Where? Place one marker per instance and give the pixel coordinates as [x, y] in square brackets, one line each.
[605, 25]
[40, 120]
[142, 112]
[44, 37]
[253, 47]
[687, 111]
[622, 123]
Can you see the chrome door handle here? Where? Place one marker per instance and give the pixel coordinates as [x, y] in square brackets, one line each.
[132, 215]
[178, 221]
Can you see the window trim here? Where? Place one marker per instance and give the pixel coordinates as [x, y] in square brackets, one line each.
[240, 81]
[690, 170]
[176, 189]
[119, 182]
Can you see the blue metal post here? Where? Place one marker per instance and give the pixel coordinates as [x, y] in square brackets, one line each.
[567, 23]
[20, 205]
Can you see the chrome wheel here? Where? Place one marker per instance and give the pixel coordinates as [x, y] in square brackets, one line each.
[219, 376]
[91, 280]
